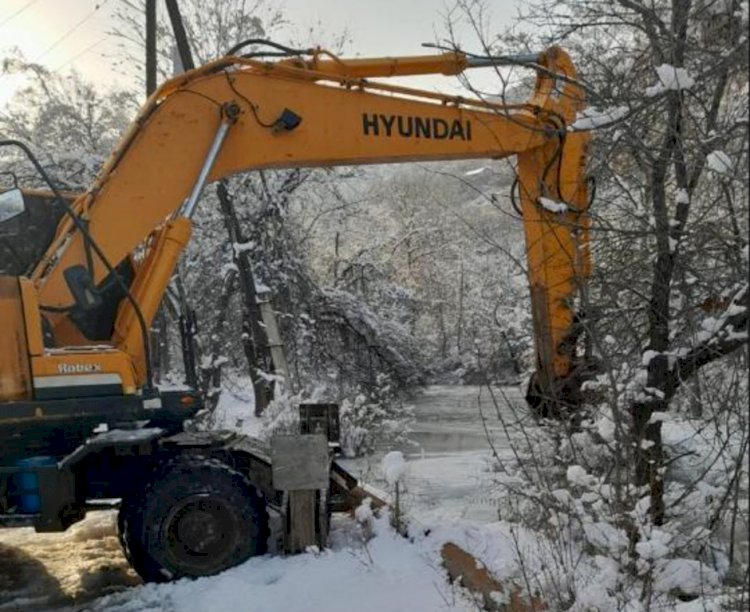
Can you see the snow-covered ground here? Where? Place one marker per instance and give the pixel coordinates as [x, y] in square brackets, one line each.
[449, 493]
[385, 573]
[76, 570]
[446, 482]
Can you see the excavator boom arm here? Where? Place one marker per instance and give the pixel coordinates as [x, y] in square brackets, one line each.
[237, 114]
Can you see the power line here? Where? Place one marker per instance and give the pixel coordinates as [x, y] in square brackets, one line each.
[17, 13]
[70, 31]
[77, 55]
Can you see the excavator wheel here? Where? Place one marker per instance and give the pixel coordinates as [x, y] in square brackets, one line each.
[195, 517]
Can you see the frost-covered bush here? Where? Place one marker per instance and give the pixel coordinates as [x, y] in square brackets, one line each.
[602, 549]
[374, 419]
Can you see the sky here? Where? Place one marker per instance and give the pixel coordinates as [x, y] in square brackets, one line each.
[65, 34]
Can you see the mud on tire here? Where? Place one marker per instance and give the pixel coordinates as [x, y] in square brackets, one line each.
[195, 517]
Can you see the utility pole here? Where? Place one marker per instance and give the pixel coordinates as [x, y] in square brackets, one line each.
[150, 46]
[186, 56]
[159, 340]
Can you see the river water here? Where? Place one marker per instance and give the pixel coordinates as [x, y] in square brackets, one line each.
[457, 433]
[454, 420]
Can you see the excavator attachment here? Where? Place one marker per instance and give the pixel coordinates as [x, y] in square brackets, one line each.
[238, 114]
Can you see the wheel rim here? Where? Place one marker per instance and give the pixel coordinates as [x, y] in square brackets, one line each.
[201, 534]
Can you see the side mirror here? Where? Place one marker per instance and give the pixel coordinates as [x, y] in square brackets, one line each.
[11, 204]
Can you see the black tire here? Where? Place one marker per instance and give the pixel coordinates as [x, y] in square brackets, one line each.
[129, 515]
[195, 517]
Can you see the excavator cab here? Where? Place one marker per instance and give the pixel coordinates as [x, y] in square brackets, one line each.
[28, 222]
[53, 392]
[11, 206]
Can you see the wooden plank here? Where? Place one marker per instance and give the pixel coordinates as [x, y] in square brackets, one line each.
[300, 462]
[472, 575]
[301, 517]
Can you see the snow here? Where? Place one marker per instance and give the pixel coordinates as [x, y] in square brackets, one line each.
[686, 576]
[734, 309]
[719, 162]
[654, 547]
[670, 79]
[654, 392]
[448, 497]
[475, 172]
[577, 476]
[697, 449]
[719, 7]
[592, 118]
[229, 267]
[682, 197]
[659, 417]
[605, 427]
[173, 387]
[363, 513]
[236, 411]
[243, 247]
[736, 335]
[394, 467]
[386, 573]
[606, 536]
[553, 205]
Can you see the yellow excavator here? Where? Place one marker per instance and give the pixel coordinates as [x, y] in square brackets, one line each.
[81, 417]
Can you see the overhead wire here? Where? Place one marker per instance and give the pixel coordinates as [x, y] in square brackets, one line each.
[65, 35]
[70, 31]
[10, 18]
[80, 54]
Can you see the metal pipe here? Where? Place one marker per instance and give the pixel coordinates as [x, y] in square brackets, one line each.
[188, 208]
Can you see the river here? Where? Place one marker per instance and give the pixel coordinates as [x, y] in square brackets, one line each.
[456, 434]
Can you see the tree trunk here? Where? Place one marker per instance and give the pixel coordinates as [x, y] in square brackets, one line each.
[254, 339]
[460, 318]
[211, 373]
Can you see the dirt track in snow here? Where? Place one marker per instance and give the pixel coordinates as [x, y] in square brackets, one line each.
[62, 570]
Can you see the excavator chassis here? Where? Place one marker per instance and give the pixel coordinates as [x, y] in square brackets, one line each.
[164, 480]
